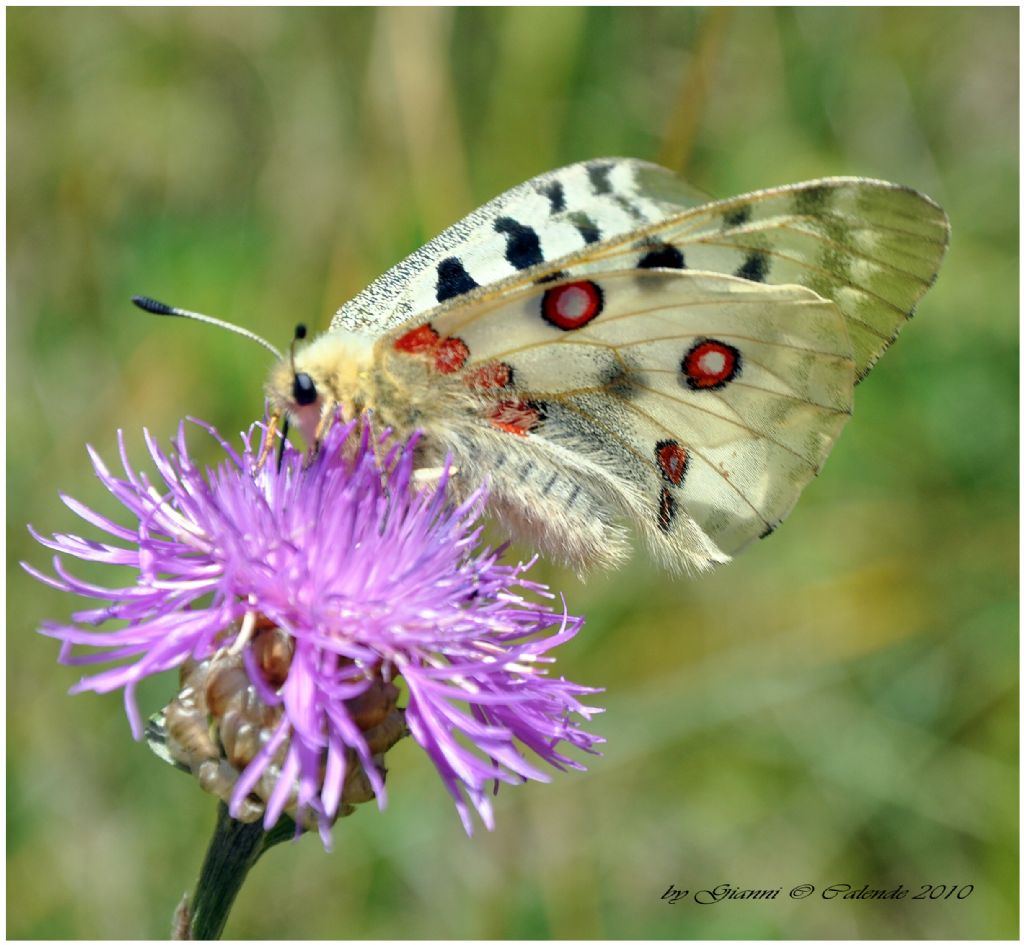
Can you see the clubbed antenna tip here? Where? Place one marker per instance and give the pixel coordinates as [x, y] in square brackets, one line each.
[152, 305]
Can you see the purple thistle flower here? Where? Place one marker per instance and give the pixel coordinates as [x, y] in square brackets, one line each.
[367, 579]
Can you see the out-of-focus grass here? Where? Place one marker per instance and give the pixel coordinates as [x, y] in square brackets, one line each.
[839, 705]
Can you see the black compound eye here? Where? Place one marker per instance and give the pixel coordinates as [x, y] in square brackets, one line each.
[304, 390]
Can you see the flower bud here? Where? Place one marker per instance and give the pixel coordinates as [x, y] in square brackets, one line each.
[218, 722]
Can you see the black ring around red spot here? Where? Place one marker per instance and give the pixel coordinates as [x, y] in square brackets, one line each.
[710, 364]
[573, 305]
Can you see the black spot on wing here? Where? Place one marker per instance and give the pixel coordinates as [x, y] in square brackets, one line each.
[552, 276]
[631, 208]
[620, 381]
[587, 228]
[812, 201]
[662, 256]
[540, 407]
[555, 193]
[755, 267]
[666, 509]
[522, 248]
[737, 217]
[598, 172]
[452, 279]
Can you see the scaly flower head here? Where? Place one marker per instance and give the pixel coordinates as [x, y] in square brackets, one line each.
[295, 603]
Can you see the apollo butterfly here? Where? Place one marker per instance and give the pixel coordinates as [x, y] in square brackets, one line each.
[601, 344]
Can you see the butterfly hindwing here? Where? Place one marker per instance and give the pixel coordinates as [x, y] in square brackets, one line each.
[697, 405]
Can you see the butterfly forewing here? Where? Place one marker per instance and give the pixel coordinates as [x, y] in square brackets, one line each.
[551, 216]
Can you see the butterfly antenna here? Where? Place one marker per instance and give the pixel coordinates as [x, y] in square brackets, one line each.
[160, 308]
[300, 333]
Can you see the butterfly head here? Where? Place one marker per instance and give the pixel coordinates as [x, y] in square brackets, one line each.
[306, 387]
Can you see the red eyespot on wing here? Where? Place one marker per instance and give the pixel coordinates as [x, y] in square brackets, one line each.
[518, 417]
[491, 376]
[450, 355]
[418, 341]
[572, 305]
[710, 365]
[672, 460]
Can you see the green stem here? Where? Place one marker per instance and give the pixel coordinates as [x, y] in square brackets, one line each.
[234, 849]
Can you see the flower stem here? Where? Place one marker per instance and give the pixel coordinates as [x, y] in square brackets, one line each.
[234, 849]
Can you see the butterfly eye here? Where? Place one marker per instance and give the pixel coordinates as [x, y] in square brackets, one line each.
[303, 389]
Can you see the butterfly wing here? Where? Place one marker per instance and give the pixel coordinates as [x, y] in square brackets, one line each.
[695, 405]
[793, 293]
[547, 217]
[872, 247]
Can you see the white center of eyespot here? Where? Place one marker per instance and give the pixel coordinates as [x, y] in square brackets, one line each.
[574, 302]
[713, 362]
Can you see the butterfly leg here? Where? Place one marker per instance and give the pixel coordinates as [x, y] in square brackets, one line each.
[268, 442]
[327, 411]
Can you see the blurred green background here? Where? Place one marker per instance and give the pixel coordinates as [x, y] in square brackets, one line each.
[837, 706]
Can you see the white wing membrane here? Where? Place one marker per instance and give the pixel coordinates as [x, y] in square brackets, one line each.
[626, 391]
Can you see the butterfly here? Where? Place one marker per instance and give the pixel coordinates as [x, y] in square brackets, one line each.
[602, 345]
